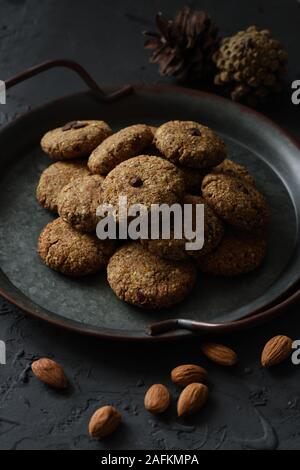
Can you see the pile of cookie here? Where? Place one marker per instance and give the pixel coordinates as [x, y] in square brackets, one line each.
[179, 162]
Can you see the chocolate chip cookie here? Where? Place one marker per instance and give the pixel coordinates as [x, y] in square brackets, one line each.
[190, 144]
[126, 143]
[78, 201]
[144, 180]
[238, 253]
[143, 279]
[238, 203]
[73, 253]
[75, 139]
[228, 167]
[175, 249]
[54, 178]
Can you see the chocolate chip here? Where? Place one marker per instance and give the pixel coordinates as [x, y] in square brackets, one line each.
[136, 182]
[140, 296]
[243, 189]
[73, 125]
[195, 132]
[79, 125]
[68, 126]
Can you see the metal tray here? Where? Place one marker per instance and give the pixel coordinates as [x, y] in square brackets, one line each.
[88, 305]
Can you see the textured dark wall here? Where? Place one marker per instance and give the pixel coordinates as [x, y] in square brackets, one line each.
[249, 407]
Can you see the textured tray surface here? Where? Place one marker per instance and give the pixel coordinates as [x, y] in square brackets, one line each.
[270, 157]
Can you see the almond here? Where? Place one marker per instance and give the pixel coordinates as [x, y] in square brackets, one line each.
[104, 422]
[187, 374]
[276, 350]
[220, 354]
[157, 399]
[191, 399]
[50, 373]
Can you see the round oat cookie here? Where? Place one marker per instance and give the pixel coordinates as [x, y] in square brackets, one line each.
[70, 252]
[228, 167]
[54, 178]
[76, 139]
[126, 143]
[190, 144]
[238, 203]
[175, 249]
[238, 253]
[143, 279]
[144, 180]
[78, 201]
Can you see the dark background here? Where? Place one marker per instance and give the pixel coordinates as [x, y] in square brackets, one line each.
[249, 407]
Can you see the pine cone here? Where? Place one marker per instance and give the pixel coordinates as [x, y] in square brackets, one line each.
[250, 65]
[184, 47]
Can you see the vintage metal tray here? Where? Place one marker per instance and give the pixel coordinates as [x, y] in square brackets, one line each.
[88, 305]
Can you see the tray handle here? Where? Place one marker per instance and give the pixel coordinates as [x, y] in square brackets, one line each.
[202, 327]
[70, 64]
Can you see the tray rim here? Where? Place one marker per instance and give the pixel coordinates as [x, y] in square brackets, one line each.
[252, 319]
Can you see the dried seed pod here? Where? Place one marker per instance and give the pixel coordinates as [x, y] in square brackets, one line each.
[183, 47]
[251, 65]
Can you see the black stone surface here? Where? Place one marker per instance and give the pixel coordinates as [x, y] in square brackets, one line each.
[249, 407]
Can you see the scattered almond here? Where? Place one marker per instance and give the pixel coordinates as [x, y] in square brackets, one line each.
[187, 374]
[104, 422]
[157, 399]
[191, 399]
[276, 350]
[220, 354]
[50, 373]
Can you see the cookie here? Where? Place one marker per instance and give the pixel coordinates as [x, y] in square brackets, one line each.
[140, 278]
[213, 227]
[175, 249]
[238, 203]
[70, 252]
[54, 178]
[238, 253]
[144, 180]
[228, 167]
[75, 139]
[192, 180]
[126, 143]
[78, 201]
[190, 144]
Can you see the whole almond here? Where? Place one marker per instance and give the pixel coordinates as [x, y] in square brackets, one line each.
[220, 354]
[187, 374]
[191, 399]
[157, 399]
[104, 422]
[50, 373]
[276, 350]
